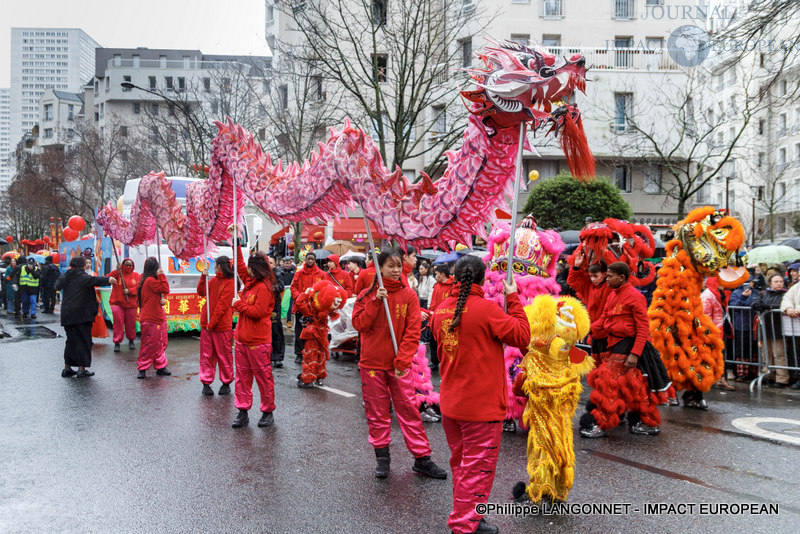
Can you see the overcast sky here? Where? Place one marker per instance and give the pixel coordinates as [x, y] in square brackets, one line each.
[213, 26]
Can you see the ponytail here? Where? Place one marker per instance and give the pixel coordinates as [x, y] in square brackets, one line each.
[469, 270]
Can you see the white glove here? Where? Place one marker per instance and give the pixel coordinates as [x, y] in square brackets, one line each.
[15, 287]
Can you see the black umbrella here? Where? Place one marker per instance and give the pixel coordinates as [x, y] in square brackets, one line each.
[793, 242]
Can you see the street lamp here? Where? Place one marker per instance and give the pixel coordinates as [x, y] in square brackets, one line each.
[183, 106]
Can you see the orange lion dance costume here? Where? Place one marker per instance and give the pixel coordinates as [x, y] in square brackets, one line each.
[707, 243]
[321, 302]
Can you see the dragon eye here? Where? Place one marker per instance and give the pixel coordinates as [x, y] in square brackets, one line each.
[547, 72]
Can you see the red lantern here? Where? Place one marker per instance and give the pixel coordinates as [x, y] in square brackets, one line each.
[46, 239]
[319, 236]
[76, 223]
[70, 234]
[290, 246]
[9, 239]
[56, 257]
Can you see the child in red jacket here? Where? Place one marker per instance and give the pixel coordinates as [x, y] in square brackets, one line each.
[123, 303]
[152, 319]
[253, 339]
[385, 376]
[216, 332]
[471, 331]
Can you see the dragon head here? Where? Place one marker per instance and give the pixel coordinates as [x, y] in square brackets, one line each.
[617, 240]
[529, 84]
[713, 242]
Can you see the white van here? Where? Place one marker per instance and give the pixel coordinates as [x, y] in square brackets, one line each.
[183, 304]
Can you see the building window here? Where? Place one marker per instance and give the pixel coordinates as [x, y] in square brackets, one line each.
[70, 112]
[466, 52]
[379, 62]
[781, 159]
[760, 126]
[552, 9]
[270, 14]
[126, 79]
[168, 81]
[162, 62]
[152, 80]
[48, 133]
[551, 41]
[622, 178]
[226, 85]
[623, 54]
[185, 62]
[623, 9]
[137, 108]
[761, 157]
[262, 134]
[440, 118]
[117, 60]
[385, 123]
[624, 108]
[207, 85]
[782, 122]
[379, 12]
[154, 109]
[136, 61]
[521, 38]
[652, 179]
[123, 131]
[181, 84]
[70, 133]
[48, 112]
[316, 88]
[284, 95]
[781, 225]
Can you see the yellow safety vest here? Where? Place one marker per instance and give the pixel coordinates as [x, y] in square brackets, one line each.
[25, 279]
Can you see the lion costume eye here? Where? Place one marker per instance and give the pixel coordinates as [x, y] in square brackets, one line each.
[547, 72]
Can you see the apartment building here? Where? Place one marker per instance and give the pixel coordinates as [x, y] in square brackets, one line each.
[625, 44]
[58, 111]
[5, 138]
[41, 59]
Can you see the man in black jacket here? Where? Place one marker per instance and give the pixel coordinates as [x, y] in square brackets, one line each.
[285, 275]
[78, 310]
[47, 284]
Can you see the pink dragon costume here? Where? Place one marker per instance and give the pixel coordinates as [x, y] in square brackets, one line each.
[535, 256]
[518, 84]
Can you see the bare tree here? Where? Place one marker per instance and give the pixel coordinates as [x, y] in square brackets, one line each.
[391, 62]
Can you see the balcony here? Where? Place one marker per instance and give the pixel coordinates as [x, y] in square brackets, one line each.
[624, 59]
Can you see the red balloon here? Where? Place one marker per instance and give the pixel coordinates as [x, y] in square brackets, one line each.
[69, 234]
[76, 223]
[46, 239]
[9, 239]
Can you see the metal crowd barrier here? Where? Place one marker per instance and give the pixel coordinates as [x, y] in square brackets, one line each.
[779, 341]
[744, 351]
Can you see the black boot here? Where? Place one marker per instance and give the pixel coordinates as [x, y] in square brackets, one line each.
[425, 466]
[241, 419]
[207, 390]
[266, 419]
[383, 459]
[225, 389]
[116, 347]
[163, 371]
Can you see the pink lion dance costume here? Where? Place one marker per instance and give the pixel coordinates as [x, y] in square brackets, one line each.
[534, 266]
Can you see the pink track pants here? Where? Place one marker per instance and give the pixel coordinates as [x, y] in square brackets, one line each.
[474, 448]
[216, 348]
[154, 343]
[253, 361]
[380, 389]
[124, 323]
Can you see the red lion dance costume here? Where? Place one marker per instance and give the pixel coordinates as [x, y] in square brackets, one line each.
[707, 243]
[535, 256]
[320, 302]
[615, 388]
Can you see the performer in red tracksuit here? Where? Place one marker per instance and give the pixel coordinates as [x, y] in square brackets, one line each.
[442, 289]
[385, 377]
[123, 303]
[339, 276]
[471, 331]
[630, 376]
[152, 319]
[305, 278]
[590, 285]
[253, 347]
[216, 334]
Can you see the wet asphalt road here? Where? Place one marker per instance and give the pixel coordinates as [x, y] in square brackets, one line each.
[115, 454]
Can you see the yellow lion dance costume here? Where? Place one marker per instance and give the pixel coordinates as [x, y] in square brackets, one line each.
[551, 379]
[707, 243]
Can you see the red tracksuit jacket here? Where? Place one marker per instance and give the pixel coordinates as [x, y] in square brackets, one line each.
[625, 315]
[219, 299]
[151, 310]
